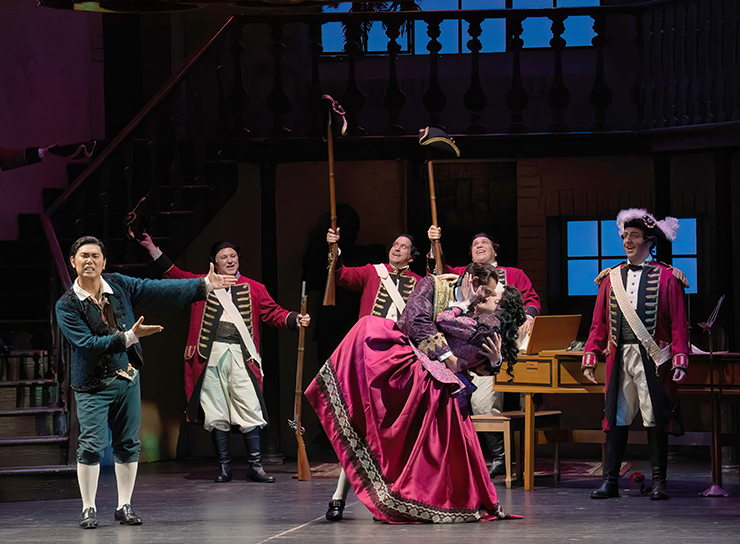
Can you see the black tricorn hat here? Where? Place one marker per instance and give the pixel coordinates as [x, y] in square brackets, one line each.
[333, 112]
[438, 139]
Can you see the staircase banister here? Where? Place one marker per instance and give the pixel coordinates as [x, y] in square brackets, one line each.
[60, 262]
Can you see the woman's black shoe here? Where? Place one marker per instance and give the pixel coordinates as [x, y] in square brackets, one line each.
[336, 510]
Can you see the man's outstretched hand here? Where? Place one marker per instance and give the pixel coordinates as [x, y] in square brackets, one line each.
[218, 281]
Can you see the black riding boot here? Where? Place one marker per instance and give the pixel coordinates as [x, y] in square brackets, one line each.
[658, 446]
[616, 443]
[254, 457]
[222, 446]
[495, 443]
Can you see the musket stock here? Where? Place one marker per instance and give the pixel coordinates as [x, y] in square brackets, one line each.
[304, 469]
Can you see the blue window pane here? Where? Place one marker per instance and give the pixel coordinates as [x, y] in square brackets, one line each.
[577, 3]
[581, 276]
[520, 4]
[611, 242]
[685, 243]
[448, 37]
[537, 32]
[332, 37]
[578, 30]
[492, 38]
[480, 4]
[583, 239]
[377, 41]
[609, 263]
[687, 265]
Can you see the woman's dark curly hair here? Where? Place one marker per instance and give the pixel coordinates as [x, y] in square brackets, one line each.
[510, 312]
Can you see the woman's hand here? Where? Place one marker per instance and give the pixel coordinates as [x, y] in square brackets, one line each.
[455, 364]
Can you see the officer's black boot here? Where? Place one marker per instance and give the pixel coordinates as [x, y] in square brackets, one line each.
[658, 446]
[254, 457]
[222, 446]
[616, 443]
[495, 443]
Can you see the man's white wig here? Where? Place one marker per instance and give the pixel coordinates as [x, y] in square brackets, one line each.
[641, 219]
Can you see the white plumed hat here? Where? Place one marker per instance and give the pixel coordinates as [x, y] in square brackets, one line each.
[641, 219]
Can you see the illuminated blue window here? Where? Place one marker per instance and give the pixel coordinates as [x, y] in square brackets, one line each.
[593, 246]
[685, 252]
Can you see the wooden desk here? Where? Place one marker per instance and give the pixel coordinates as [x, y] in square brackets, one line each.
[559, 372]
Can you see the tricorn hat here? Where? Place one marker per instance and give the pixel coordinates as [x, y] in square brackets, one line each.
[438, 139]
[641, 219]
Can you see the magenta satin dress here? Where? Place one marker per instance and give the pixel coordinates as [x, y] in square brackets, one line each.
[408, 451]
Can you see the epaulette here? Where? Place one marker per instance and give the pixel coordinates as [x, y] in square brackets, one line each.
[604, 273]
[680, 276]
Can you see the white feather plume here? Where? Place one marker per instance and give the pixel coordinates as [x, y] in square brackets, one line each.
[669, 226]
[625, 216]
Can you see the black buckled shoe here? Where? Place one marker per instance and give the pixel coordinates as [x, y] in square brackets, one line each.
[255, 473]
[126, 515]
[89, 519]
[608, 489]
[336, 510]
[659, 491]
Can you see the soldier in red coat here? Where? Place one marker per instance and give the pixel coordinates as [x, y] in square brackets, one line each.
[483, 249]
[384, 287]
[639, 326]
[223, 367]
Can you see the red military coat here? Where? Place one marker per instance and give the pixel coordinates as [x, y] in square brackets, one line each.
[263, 308]
[375, 300]
[515, 277]
[661, 308]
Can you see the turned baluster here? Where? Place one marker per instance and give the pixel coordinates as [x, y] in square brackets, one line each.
[434, 99]
[558, 97]
[601, 94]
[394, 97]
[516, 97]
[475, 98]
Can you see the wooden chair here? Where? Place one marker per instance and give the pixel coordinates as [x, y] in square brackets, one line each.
[511, 422]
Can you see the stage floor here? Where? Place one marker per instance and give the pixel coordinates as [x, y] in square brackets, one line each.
[179, 504]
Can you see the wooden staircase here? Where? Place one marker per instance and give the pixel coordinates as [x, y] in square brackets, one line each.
[34, 430]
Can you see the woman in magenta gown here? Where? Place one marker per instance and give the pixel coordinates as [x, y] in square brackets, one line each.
[406, 443]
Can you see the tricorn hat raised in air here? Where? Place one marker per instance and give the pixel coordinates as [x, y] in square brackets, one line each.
[438, 139]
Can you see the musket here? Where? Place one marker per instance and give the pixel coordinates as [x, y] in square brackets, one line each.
[304, 469]
[433, 199]
[329, 291]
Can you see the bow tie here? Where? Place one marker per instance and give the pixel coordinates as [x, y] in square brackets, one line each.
[634, 266]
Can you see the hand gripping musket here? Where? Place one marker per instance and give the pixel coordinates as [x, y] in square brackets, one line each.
[304, 469]
[335, 120]
[436, 139]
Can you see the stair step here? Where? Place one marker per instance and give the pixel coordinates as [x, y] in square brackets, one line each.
[39, 482]
[31, 411]
[27, 452]
[15, 383]
[31, 440]
[38, 469]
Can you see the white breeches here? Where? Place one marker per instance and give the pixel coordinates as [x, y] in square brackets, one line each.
[484, 401]
[228, 396]
[633, 395]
